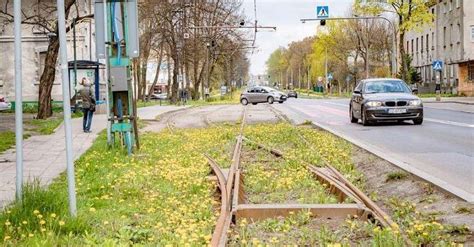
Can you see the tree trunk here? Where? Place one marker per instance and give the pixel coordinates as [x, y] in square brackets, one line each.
[157, 74]
[404, 67]
[45, 109]
[47, 79]
[174, 87]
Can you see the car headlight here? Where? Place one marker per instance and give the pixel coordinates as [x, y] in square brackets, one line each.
[374, 103]
[415, 102]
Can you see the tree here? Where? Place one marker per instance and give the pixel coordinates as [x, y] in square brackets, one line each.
[42, 16]
[411, 15]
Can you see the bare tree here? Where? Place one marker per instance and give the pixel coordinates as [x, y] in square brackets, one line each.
[42, 15]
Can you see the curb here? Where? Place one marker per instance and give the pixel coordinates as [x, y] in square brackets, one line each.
[449, 101]
[464, 195]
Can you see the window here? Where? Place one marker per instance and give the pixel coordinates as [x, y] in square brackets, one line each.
[450, 5]
[421, 44]
[472, 33]
[432, 14]
[445, 8]
[408, 46]
[412, 46]
[416, 45]
[459, 33]
[427, 42]
[470, 71]
[444, 37]
[451, 38]
[458, 3]
[432, 41]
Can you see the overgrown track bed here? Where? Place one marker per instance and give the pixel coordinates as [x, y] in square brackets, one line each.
[266, 208]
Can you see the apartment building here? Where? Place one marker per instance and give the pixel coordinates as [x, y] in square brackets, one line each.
[450, 38]
[35, 43]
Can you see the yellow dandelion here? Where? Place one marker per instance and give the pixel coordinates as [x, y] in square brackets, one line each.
[6, 238]
[36, 211]
[61, 223]
[92, 210]
[31, 235]
[42, 222]
[24, 222]
[105, 222]
[7, 223]
[53, 215]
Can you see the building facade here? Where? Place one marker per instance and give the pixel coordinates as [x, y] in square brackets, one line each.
[449, 38]
[35, 43]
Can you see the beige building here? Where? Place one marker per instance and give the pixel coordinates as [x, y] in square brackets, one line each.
[450, 38]
[35, 43]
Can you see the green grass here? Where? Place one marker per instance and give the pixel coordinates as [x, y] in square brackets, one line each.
[233, 98]
[398, 175]
[151, 103]
[7, 140]
[32, 107]
[433, 95]
[318, 95]
[46, 126]
[159, 196]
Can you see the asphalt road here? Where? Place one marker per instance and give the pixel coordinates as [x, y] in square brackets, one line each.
[441, 150]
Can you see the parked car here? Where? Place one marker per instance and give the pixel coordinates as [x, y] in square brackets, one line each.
[259, 94]
[384, 99]
[4, 104]
[292, 93]
[162, 96]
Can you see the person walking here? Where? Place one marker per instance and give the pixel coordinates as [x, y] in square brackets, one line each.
[88, 104]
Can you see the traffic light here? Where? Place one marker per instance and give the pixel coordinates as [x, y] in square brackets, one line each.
[322, 22]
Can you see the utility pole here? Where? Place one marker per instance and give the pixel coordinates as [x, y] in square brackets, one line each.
[367, 65]
[66, 108]
[18, 101]
[326, 69]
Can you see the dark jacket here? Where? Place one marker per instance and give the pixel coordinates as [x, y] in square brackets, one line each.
[87, 97]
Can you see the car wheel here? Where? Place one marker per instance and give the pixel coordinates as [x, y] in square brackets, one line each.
[351, 116]
[365, 122]
[418, 121]
[270, 100]
[254, 103]
[244, 101]
[296, 96]
[281, 102]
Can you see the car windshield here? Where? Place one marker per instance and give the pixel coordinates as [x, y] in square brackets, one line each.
[386, 86]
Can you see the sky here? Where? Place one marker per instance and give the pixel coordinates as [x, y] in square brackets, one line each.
[285, 15]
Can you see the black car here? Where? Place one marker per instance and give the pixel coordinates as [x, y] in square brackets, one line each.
[292, 93]
[384, 100]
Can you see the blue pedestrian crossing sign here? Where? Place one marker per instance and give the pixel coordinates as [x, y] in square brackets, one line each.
[330, 77]
[437, 65]
[322, 11]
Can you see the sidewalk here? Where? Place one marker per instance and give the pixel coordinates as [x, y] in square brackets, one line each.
[461, 104]
[44, 157]
[457, 100]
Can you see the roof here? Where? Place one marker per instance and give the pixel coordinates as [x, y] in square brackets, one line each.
[85, 64]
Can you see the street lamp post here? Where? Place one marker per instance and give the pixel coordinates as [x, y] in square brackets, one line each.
[394, 41]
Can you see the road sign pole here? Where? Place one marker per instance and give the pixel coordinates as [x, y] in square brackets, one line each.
[18, 101]
[66, 107]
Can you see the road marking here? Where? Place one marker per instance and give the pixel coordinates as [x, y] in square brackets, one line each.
[449, 122]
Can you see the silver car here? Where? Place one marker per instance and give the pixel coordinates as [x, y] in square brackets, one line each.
[259, 94]
[4, 104]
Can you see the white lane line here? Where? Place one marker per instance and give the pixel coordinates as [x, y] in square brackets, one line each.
[449, 122]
